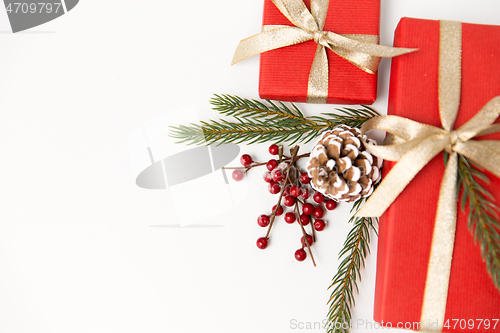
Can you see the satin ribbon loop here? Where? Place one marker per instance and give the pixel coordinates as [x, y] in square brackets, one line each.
[404, 128]
[362, 51]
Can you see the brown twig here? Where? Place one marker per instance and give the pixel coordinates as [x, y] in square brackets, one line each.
[273, 217]
[305, 234]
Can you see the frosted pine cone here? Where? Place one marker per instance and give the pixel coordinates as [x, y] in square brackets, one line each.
[341, 168]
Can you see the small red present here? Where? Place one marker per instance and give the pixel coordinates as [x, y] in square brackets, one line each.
[284, 73]
[329, 54]
[407, 227]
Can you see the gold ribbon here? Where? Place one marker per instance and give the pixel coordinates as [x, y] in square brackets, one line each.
[360, 50]
[415, 144]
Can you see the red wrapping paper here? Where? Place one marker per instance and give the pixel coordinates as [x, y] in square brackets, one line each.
[284, 72]
[406, 228]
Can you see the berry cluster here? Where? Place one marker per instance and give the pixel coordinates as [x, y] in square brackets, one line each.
[305, 205]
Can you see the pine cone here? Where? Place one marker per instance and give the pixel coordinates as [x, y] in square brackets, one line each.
[341, 168]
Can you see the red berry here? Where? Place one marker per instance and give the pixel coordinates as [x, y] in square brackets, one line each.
[262, 243]
[289, 217]
[263, 221]
[308, 209]
[237, 175]
[280, 210]
[267, 177]
[309, 240]
[271, 165]
[330, 204]
[304, 178]
[300, 255]
[289, 201]
[246, 160]
[318, 197]
[319, 212]
[274, 188]
[305, 193]
[319, 225]
[277, 175]
[305, 219]
[295, 191]
[274, 149]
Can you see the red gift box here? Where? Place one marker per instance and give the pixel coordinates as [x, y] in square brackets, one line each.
[284, 72]
[406, 229]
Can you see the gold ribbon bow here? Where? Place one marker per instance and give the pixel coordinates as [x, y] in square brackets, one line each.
[416, 144]
[360, 50]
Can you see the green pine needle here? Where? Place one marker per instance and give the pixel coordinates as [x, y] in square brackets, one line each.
[234, 106]
[345, 282]
[483, 220]
[257, 122]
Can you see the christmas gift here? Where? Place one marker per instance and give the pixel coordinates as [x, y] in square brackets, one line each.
[434, 271]
[318, 51]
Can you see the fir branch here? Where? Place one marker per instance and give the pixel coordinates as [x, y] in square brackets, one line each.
[222, 131]
[234, 106]
[258, 122]
[354, 252]
[482, 220]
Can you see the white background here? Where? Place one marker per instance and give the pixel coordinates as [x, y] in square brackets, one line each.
[77, 250]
